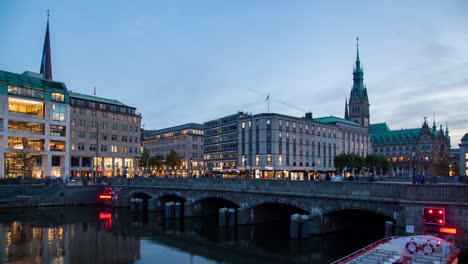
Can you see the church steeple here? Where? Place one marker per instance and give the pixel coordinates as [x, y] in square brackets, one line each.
[346, 115]
[46, 62]
[358, 101]
[358, 74]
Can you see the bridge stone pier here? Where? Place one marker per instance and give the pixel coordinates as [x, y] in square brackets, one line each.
[332, 205]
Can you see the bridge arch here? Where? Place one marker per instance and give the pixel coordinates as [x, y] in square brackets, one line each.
[355, 219]
[210, 204]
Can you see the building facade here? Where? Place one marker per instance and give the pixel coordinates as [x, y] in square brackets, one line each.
[105, 137]
[34, 120]
[220, 147]
[186, 140]
[275, 146]
[355, 138]
[464, 156]
[420, 150]
[454, 166]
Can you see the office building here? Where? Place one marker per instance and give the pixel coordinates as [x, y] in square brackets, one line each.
[186, 140]
[105, 137]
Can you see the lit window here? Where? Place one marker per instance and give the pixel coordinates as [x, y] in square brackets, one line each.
[257, 160]
[280, 160]
[268, 121]
[243, 124]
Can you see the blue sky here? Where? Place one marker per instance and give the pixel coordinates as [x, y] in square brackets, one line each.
[193, 61]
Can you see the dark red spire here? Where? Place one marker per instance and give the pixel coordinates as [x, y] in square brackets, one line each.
[46, 63]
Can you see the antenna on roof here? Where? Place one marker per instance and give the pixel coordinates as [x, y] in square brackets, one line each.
[94, 90]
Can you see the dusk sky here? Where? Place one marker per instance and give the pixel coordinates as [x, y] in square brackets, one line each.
[194, 61]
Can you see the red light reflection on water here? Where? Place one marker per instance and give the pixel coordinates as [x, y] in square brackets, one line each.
[107, 217]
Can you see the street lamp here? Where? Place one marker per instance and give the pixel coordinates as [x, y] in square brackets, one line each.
[147, 166]
[413, 155]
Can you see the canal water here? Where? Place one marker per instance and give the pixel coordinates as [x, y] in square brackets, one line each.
[102, 235]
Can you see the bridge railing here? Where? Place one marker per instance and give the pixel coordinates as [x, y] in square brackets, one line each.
[426, 192]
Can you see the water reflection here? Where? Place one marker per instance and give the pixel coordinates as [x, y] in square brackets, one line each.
[100, 235]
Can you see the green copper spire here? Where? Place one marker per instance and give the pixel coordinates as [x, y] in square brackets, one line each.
[358, 73]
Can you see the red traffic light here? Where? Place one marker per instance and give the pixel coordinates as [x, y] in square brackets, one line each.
[430, 211]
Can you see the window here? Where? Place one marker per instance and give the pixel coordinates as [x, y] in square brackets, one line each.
[73, 146]
[24, 127]
[28, 107]
[269, 160]
[280, 160]
[81, 134]
[243, 124]
[56, 161]
[124, 138]
[92, 147]
[81, 146]
[25, 143]
[56, 145]
[114, 149]
[114, 138]
[28, 92]
[58, 97]
[92, 135]
[93, 113]
[82, 111]
[73, 122]
[104, 148]
[57, 130]
[124, 149]
[82, 123]
[257, 160]
[104, 114]
[104, 136]
[268, 122]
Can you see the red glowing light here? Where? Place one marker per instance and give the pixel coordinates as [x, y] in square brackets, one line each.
[441, 212]
[103, 196]
[104, 216]
[441, 221]
[448, 230]
[430, 211]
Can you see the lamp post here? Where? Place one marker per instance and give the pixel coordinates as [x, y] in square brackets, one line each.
[147, 166]
[413, 155]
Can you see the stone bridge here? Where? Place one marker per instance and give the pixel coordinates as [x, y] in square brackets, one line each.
[335, 204]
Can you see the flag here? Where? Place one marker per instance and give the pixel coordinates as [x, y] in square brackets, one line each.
[267, 98]
[94, 90]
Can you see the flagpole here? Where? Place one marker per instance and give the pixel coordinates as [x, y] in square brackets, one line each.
[268, 103]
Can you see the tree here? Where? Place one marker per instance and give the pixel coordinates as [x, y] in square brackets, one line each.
[157, 162]
[349, 161]
[22, 160]
[377, 162]
[144, 158]
[173, 160]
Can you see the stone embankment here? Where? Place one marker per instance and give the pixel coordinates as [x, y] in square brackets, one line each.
[52, 194]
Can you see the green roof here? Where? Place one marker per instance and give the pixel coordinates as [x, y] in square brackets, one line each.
[95, 99]
[31, 81]
[334, 119]
[381, 131]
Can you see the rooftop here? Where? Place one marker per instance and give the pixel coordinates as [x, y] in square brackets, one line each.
[96, 99]
[29, 81]
[334, 119]
[172, 129]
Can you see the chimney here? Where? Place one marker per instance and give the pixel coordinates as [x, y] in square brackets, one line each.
[308, 115]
